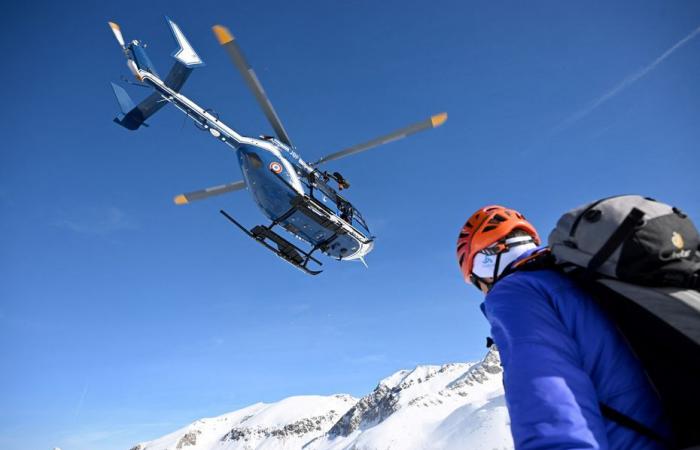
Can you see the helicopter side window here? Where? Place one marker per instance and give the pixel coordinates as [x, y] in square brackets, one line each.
[254, 160]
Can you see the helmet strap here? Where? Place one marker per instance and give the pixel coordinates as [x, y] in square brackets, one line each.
[508, 247]
[477, 281]
[498, 263]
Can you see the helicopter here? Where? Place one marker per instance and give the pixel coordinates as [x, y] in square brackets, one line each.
[295, 195]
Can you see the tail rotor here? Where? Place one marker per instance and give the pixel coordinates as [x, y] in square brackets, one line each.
[118, 34]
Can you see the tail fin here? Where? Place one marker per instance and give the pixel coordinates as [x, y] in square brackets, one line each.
[185, 54]
[186, 59]
[125, 102]
[132, 117]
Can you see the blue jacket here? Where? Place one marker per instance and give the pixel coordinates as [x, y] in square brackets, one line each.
[562, 356]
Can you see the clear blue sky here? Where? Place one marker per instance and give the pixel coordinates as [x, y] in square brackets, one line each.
[123, 317]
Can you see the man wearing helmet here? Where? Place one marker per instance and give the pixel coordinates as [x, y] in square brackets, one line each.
[570, 379]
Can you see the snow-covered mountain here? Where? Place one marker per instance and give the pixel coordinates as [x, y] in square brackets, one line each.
[453, 406]
[284, 425]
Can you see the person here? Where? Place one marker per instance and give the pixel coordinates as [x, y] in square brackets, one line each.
[564, 361]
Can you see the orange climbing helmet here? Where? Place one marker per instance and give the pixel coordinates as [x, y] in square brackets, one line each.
[488, 228]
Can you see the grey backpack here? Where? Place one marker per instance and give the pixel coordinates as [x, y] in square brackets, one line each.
[640, 259]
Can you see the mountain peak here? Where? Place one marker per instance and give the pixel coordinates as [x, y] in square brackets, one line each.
[455, 405]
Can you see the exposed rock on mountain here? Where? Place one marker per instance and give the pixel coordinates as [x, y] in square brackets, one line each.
[453, 406]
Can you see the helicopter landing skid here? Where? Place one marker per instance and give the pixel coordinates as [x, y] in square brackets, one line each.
[285, 249]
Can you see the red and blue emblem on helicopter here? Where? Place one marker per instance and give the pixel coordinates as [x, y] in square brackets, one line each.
[276, 167]
[296, 196]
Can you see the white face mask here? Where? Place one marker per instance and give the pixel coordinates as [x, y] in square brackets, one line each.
[484, 265]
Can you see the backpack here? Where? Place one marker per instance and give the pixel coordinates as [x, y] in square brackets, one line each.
[640, 260]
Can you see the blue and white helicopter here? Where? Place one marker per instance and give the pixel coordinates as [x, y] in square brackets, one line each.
[293, 194]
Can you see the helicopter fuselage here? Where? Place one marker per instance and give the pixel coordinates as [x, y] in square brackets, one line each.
[282, 184]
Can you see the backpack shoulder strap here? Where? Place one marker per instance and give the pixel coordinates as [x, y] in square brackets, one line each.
[616, 239]
[537, 260]
[630, 423]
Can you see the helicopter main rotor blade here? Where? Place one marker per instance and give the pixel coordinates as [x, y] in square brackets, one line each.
[227, 40]
[184, 199]
[433, 122]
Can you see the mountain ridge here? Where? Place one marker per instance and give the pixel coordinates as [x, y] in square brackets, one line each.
[449, 406]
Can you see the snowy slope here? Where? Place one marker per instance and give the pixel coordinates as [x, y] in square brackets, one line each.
[287, 424]
[453, 406]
